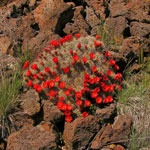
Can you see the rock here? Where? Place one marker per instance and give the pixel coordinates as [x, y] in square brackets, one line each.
[19, 120]
[5, 44]
[113, 133]
[100, 8]
[139, 29]
[40, 137]
[30, 103]
[106, 113]
[138, 11]
[118, 8]
[78, 133]
[51, 112]
[79, 25]
[131, 44]
[117, 25]
[7, 64]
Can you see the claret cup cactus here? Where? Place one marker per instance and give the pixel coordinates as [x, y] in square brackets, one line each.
[75, 73]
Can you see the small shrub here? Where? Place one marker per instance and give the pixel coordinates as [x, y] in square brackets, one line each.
[75, 74]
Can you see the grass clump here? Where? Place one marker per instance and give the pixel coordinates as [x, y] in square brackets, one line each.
[9, 90]
[135, 101]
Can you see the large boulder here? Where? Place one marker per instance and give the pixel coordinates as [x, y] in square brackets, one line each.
[41, 137]
[114, 133]
[78, 133]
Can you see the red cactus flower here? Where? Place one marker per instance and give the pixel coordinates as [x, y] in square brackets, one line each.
[107, 54]
[109, 73]
[67, 93]
[87, 103]
[94, 69]
[68, 37]
[26, 64]
[61, 41]
[99, 100]
[119, 87]
[116, 67]
[52, 93]
[110, 99]
[51, 84]
[84, 59]
[96, 79]
[63, 107]
[29, 83]
[71, 52]
[79, 102]
[54, 43]
[53, 73]
[39, 89]
[78, 45]
[57, 78]
[68, 119]
[35, 86]
[55, 60]
[28, 73]
[111, 88]
[97, 43]
[85, 114]
[105, 78]
[97, 36]
[47, 69]
[112, 62]
[118, 76]
[61, 98]
[94, 94]
[66, 70]
[62, 85]
[97, 89]
[106, 100]
[69, 107]
[78, 94]
[34, 66]
[67, 113]
[45, 84]
[35, 76]
[59, 104]
[77, 35]
[105, 88]
[102, 84]
[92, 55]
[76, 58]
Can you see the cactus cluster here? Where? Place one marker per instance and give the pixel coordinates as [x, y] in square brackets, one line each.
[75, 73]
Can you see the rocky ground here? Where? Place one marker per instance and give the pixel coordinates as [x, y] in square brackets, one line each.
[35, 123]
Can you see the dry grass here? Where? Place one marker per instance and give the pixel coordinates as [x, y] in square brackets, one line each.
[135, 101]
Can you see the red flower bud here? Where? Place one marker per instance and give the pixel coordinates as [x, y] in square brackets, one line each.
[34, 67]
[26, 64]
